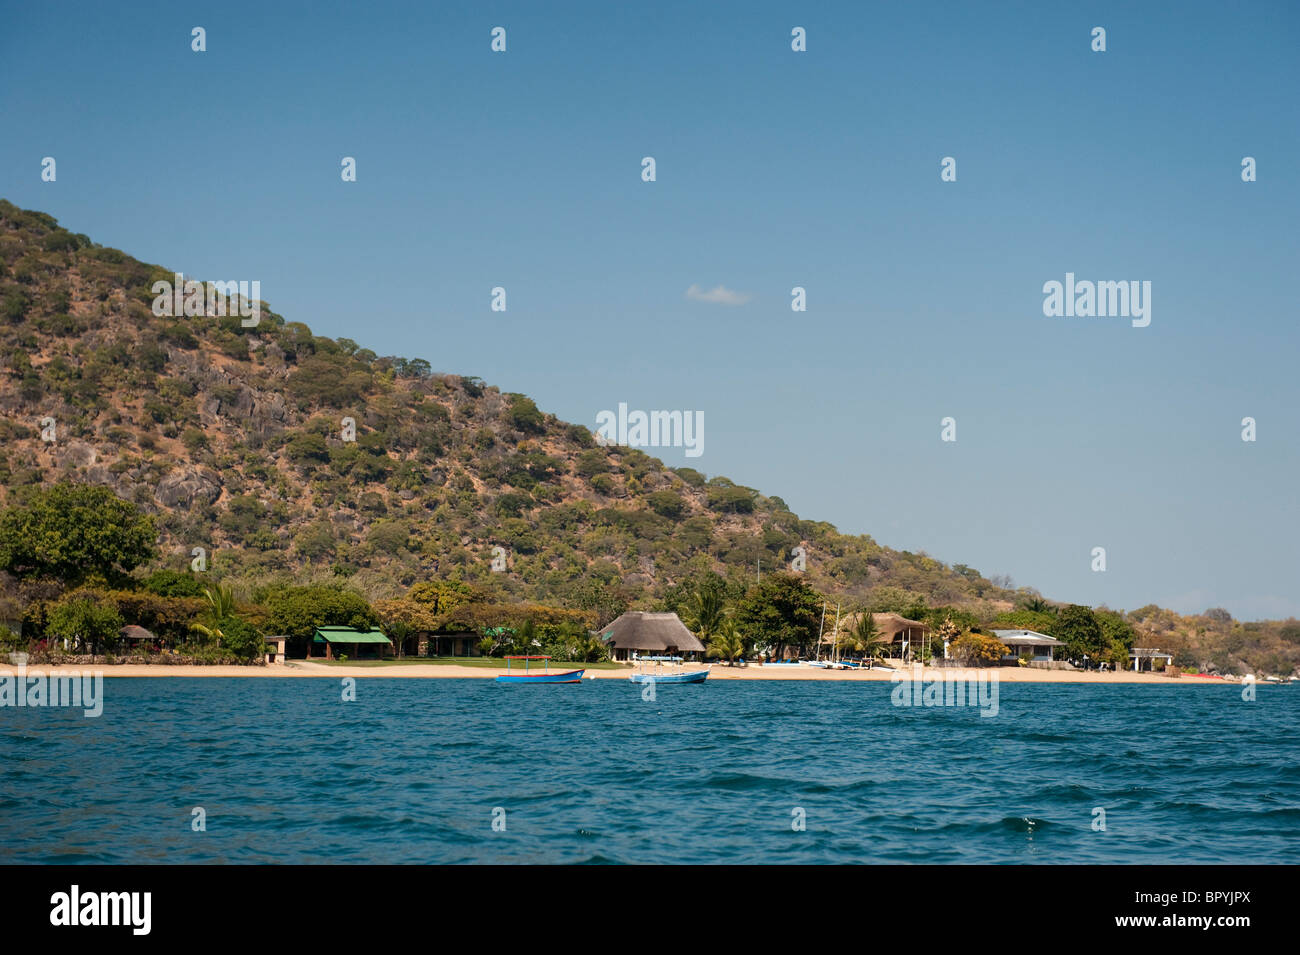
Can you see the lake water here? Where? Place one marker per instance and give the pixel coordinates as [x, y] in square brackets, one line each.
[413, 770]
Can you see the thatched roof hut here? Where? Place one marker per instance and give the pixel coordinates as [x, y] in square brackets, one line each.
[890, 626]
[649, 633]
[132, 632]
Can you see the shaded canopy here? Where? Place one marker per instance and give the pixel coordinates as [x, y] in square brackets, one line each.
[638, 630]
[349, 635]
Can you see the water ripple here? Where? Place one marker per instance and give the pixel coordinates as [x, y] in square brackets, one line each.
[465, 771]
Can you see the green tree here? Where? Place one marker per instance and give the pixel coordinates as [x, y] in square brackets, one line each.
[899, 600]
[73, 533]
[1026, 620]
[240, 638]
[220, 608]
[1036, 604]
[298, 611]
[607, 600]
[1078, 629]
[865, 637]
[705, 611]
[442, 596]
[1115, 628]
[726, 642]
[84, 624]
[173, 583]
[666, 504]
[525, 416]
[781, 611]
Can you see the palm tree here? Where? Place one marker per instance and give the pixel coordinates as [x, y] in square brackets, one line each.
[865, 637]
[400, 631]
[221, 605]
[726, 642]
[1037, 604]
[706, 612]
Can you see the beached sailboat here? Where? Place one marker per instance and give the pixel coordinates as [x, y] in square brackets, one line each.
[546, 676]
[670, 673]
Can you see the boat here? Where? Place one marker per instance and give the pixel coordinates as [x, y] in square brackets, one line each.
[546, 676]
[672, 676]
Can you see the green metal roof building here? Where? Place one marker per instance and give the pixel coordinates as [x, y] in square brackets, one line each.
[331, 637]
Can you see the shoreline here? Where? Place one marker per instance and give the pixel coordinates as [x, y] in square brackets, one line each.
[301, 669]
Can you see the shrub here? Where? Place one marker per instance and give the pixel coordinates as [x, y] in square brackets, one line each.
[691, 476]
[14, 306]
[977, 649]
[388, 537]
[592, 462]
[304, 448]
[733, 500]
[173, 583]
[525, 416]
[666, 504]
[240, 638]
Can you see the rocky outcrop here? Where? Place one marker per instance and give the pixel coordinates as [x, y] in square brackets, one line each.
[188, 486]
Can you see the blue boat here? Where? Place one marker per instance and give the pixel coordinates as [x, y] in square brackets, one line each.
[670, 676]
[546, 676]
[696, 676]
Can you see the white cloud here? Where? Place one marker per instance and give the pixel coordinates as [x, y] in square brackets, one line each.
[718, 296]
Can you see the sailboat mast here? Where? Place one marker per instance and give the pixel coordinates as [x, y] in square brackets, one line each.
[835, 638]
[820, 628]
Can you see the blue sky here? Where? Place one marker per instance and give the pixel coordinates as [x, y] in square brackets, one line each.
[775, 169]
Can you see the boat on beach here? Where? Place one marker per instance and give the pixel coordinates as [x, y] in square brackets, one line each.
[546, 676]
[670, 675]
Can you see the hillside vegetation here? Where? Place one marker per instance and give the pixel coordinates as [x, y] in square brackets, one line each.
[233, 440]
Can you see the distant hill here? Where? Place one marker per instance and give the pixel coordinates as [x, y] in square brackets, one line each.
[233, 437]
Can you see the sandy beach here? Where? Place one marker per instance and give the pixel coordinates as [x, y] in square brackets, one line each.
[311, 669]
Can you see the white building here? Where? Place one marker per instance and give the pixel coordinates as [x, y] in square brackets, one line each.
[1037, 646]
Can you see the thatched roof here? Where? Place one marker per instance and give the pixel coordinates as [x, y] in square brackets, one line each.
[132, 632]
[637, 630]
[890, 625]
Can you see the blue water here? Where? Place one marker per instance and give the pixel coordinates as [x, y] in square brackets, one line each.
[412, 770]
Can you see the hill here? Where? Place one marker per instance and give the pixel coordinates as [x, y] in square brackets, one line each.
[290, 456]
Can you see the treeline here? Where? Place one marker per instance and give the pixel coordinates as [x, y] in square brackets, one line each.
[70, 553]
[781, 615]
